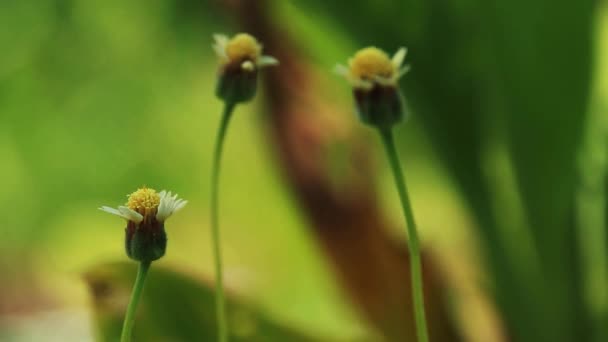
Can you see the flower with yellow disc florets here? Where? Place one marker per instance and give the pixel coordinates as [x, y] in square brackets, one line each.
[146, 212]
[240, 58]
[374, 78]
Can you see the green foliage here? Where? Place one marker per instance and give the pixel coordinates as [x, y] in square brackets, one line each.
[100, 97]
[174, 307]
[503, 73]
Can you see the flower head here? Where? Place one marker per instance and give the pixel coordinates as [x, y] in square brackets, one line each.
[240, 59]
[242, 49]
[146, 212]
[374, 77]
[144, 201]
[243, 46]
[371, 66]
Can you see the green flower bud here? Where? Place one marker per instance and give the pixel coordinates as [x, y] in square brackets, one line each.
[241, 58]
[374, 76]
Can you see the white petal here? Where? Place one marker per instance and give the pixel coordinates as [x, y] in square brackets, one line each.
[247, 66]
[163, 209]
[130, 214]
[220, 38]
[162, 215]
[354, 81]
[404, 70]
[385, 81]
[179, 206]
[341, 70]
[112, 211]
[169, 204]
[220, 52]
[399, 57]
[220, 46]
[265, 61]
[362, 84]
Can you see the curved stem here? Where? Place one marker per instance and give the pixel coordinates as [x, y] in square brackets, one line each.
[138, 287]
[416, 264]
[220, 308]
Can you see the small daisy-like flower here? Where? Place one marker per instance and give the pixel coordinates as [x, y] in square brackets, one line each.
[374, 77]
[146, 212]
[240, 58]
[372, 66]
[244, 50]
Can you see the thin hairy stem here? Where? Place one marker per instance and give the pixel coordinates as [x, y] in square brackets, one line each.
[138, 287]
[416, 264]
[220, 306]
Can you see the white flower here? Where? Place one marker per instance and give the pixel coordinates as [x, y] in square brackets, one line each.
[146, 203]
[371, 66]
[242, 48]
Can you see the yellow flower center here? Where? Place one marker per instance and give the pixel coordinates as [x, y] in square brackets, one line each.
[371, 62]
[144, 200]
[243, 46]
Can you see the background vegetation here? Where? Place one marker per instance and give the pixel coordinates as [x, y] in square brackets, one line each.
[505, 153]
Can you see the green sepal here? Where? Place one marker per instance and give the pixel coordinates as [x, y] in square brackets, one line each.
[146, 243]
[236, 85]
[381, 106]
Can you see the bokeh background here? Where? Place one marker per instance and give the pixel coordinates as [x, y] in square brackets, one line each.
[504, 151]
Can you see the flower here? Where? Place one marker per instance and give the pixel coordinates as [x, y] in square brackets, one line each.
[370, 66]
[146, 212]
[240, 59]
[374, 77]
[242, 49]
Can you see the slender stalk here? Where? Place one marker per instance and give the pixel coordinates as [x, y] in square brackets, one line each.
[416, 264]
[138, 287]
[220, 307]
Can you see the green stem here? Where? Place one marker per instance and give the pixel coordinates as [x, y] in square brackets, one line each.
[138, 287]
[220, 307]
[416, 264]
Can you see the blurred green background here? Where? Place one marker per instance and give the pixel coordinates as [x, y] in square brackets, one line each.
[505, 155]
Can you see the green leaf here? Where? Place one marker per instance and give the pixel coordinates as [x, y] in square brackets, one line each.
[174, 307]
[544, 51]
